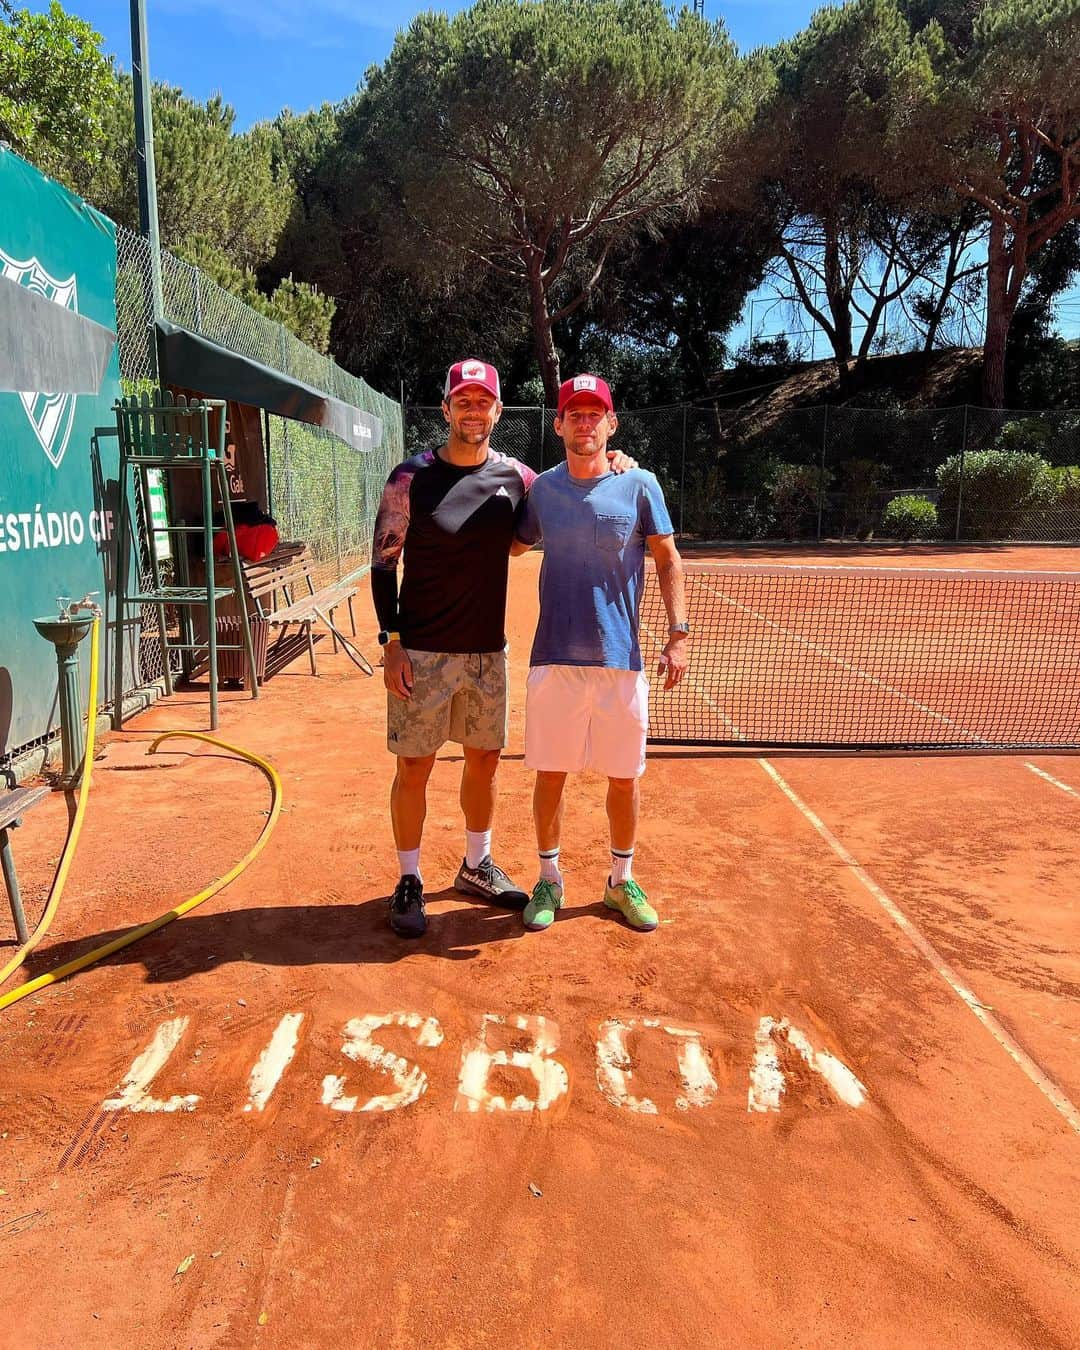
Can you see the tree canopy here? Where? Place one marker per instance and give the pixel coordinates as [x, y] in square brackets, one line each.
[535, 141]
[56, 91]
[542, 181]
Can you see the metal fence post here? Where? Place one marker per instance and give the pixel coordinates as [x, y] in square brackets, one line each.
[337, 508]
[543, 433]
[682, 476]
[821, 472]
[960, 482]
[286, 468]
[269, 464]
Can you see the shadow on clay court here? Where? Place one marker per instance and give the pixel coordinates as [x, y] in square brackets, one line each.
[307, 935]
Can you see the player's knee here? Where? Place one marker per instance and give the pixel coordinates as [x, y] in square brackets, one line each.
[482, 763]
[414, 772]
[623, 786]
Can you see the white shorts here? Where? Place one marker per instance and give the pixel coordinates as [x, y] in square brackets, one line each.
[586, 717]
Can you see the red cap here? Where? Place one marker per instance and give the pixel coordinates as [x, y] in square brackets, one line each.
[464, 373]
[584, 385]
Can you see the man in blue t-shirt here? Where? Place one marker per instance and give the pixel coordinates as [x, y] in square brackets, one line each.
[587, 700]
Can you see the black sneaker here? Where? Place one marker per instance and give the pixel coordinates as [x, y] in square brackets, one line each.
[490, 883]
[408, 917]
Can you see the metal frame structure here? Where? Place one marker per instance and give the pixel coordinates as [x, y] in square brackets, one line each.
[174, 435]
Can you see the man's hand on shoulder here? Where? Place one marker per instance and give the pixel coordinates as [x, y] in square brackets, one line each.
[620, 463]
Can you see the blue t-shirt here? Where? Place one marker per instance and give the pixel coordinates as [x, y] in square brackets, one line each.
[594, 532]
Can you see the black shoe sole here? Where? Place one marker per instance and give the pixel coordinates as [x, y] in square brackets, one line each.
[408, 932]
[505, 900]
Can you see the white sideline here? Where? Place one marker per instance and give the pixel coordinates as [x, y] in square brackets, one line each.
[1046, 1085]
[1016, 1053]
[1051, 779]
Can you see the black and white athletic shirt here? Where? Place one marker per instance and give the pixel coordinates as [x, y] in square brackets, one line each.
[455, 526]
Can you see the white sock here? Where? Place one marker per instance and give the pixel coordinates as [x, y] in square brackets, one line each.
[549, 866]
[477, 847]
[622, 865]
[409, 861]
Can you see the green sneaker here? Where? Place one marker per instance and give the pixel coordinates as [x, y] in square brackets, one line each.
[633, 904]
[539, 913]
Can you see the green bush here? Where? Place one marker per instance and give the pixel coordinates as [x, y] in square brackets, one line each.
[1067, 488]
[1001, 489]
[910, 517]
[793, 493]
[862, 482]
[703, 503]
[1028, 436]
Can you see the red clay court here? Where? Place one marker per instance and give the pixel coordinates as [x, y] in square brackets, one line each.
[833, 1100]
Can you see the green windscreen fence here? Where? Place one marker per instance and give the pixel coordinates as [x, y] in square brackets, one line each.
[57, 479]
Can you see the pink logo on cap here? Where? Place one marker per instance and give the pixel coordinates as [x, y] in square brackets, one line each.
[472, 373]
[584, 384]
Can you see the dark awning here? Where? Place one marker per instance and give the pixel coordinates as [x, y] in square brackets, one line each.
[191, 361]
[48, 347]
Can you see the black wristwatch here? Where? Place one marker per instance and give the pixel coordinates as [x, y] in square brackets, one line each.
[387, 635]
[683, 629]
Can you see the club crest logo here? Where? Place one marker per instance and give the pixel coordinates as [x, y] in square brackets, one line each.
[473, 370]
[51, 415]
[585, 382]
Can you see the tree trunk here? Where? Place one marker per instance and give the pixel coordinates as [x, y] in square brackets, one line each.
[999, 312]
[547, 358]
[839, 307]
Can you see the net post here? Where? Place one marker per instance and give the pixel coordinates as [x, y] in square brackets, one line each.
[960, 481]
[821, 472]
[682, 476]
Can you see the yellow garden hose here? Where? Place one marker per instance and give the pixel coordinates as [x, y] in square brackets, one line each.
[143, 930]
[64, 866]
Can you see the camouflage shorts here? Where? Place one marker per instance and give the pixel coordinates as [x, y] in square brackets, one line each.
[455, 697]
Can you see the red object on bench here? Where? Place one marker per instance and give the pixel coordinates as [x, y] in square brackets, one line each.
[253, 542]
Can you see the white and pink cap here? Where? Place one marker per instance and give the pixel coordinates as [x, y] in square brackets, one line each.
[464, 373]
[584, 386]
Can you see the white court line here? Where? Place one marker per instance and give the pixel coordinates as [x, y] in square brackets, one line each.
[1046, 1085]
[1016, 1053]
[1051, 779]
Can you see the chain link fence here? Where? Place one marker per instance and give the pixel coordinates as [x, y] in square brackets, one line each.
[322, 491]
[834, 473]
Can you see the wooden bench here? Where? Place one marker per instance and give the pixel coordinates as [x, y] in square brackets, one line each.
[283, 591]
[13, 806]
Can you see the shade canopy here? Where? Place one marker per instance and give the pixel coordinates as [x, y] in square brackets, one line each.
[190, 361]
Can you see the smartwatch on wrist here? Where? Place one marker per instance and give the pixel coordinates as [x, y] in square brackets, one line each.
[388, 636]
[679, 629]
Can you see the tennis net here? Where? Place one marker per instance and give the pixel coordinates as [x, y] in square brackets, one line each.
[871, 658]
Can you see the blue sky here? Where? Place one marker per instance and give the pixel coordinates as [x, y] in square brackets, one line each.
[264, 55]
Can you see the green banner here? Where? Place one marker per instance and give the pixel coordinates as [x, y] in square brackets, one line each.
[57, 481]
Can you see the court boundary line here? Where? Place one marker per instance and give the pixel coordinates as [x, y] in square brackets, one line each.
[1038, 1076]
[884, 571]
[1049, 778]
[1041, 1079]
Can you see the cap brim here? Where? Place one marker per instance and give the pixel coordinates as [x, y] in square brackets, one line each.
[591, 395]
